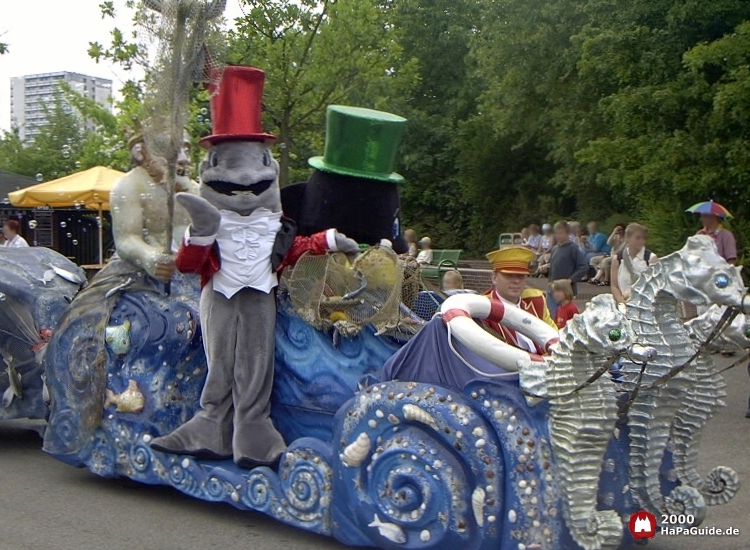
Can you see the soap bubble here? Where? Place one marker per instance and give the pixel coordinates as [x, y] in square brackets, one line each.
[63, 224]
[6, 200]
[75, 242]
[105, 141]
[200, 118]
[145, 231]
[66, 154]
[2, 297]
[204, 111]
[39, 177]
[69, 235]
[66, 147]
[32, 224]
[78, 164]
[85, 230]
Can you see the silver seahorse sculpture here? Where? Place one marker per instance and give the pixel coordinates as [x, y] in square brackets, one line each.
[582, 416]
[669, 409]
[721, 483]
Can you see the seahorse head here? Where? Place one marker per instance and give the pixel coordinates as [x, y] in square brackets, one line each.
[697, 274]
[601, 328]
[735, 336]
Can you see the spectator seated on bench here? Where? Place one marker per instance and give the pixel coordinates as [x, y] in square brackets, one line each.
[442, 261]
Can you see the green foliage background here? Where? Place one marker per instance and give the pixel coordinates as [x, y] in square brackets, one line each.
[519, 110]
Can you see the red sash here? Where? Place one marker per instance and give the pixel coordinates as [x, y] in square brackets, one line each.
[531, 304]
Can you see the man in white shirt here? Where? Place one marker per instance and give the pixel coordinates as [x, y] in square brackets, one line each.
[12, 238]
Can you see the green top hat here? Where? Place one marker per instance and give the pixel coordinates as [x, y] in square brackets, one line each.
[361, 143]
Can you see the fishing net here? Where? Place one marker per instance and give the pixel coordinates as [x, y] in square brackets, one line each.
[19, 337]
[327, 291]
[179, 31]
[421, 296]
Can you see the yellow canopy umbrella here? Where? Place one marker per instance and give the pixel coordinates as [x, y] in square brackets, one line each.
[89, 188]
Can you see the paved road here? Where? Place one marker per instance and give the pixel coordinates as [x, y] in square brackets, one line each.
[47, 505]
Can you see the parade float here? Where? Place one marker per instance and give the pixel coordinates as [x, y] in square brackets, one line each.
[535, 452]
[556, 453]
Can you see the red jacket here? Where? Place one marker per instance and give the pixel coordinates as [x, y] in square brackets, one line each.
[206, 260]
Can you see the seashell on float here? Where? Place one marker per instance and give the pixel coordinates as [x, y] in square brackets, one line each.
[417, 414]
[355, 453]
[424, 536]
[512, 516]
[477, 504]
[721, 484]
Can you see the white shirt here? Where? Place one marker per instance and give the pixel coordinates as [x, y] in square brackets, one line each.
[624, 278]
[424, 257]
[524, 342]
[245, 244]
[16, 242]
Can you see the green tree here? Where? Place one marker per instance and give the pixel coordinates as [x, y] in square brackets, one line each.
[626, 100]
[677, 133]
[435, 37]
[316, 54]
[52, 154]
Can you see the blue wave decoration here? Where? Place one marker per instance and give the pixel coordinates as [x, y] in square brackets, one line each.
[313, 378]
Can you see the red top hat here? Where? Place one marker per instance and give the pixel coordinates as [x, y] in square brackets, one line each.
[236, 107]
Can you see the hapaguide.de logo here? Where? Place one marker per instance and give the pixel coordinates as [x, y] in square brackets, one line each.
[642, 525]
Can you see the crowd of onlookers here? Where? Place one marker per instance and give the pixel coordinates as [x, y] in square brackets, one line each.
[567, 255]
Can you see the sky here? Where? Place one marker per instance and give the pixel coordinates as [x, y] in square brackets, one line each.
[53, 35]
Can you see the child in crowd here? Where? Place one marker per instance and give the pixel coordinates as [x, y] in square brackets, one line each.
[562, 293]
[534, 238]
[410, 236]
[524, 236]
[575, 234]
[630, 262]
[546, 241]
[544, 251]
[452, 280]
[566, 262]
[425, 255]
[616, 242]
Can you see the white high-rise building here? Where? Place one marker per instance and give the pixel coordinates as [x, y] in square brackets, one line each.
[29, 94]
